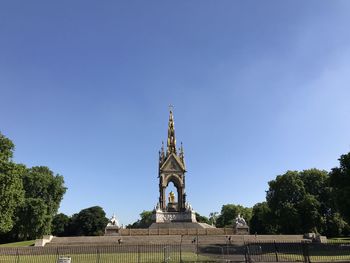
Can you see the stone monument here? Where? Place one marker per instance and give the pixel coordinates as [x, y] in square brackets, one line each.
[240, 226]
[113, 227]
[172, 168]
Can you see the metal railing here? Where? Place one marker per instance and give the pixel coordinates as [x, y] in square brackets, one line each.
[90, 254]
[298, 252]
[171, 253]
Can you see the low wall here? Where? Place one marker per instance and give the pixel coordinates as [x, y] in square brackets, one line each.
[174, 231]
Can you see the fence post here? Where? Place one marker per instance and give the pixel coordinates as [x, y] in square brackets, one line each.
[181, 249]
[276, 250]
[222, 253]
[17, 256]
[247, 257]
[58, 254]
[305, 248]
[138, 254]
[98, 255]
[197, 243]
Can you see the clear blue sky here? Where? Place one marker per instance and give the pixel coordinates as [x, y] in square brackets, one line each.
[259, 88]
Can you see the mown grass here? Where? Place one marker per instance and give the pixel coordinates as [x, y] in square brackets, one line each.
[322, 256]
[108, 258]
[19, 244]
[339, 240]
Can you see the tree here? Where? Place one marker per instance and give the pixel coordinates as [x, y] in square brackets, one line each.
[40, 182]
[60, 225]
[6, 148]
[340, 181]
[262, 221]
[310, 216]
[202, 219]
[213, 216]
[43, 194]
[336, 225]
[34, 222]
[11, 193]
[89, 222]
[29, 197]
[11, 188]
[283, 197]
[229, 212]
[302, 202]
[72, 228]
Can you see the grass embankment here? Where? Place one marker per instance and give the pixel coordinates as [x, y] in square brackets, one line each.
[27, 243]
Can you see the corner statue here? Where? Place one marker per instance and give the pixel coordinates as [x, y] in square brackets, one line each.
[240, 226]
[113, 227]
[240, 222]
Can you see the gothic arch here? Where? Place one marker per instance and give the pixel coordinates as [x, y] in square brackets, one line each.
[173, 178]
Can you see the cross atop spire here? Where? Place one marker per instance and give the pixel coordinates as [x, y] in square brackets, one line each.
[171, 142]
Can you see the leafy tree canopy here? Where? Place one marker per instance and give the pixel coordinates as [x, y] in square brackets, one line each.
[6, 148]
[11, 187]
[60, 224]
[89, 222]
[145, 221]
[29, 197]
[40, 182]
[33, 221]
[340, 181]
[202, 219]
[262, 221]
[300, 202]
[11, 193]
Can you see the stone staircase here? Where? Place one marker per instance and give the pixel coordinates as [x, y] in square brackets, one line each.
[169, 239]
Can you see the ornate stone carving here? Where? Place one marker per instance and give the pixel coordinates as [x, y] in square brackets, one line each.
[167, 217]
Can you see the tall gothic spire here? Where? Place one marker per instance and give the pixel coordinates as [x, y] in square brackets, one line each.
[171, 142]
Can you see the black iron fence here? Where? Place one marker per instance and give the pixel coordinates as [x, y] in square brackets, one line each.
[298, 252]
[252, 252]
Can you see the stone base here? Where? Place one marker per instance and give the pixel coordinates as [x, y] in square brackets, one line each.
[180, 225]
[112, 231]
[241, 230]
[167, 217]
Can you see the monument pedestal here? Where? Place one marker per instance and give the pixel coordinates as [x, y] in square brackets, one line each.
[112, 231]
[113, 227]
[176, 220]
[241, 230]
[168, 217]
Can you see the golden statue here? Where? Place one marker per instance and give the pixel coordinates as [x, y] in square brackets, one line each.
[171, 197]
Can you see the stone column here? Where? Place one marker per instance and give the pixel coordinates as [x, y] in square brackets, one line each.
[163, 197]
[180, 204]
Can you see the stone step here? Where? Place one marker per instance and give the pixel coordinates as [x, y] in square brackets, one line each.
[169, 239]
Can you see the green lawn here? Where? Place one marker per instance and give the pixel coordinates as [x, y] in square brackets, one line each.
[322, 256]
[339, 240]
[108, 258]
[19, 244]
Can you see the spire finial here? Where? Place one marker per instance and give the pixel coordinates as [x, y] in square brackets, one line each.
[161, 155]
[182, 154]
[171, 142]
